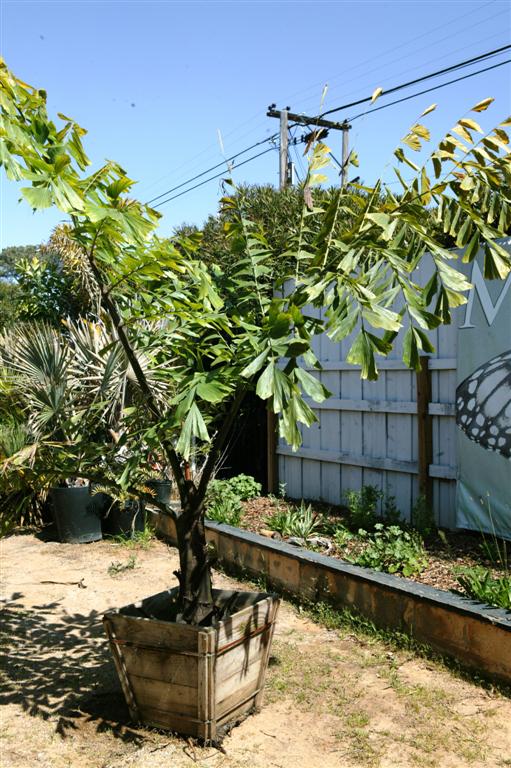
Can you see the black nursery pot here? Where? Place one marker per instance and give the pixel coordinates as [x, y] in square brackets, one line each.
[122, 519]
[77, 515]
[162, 489]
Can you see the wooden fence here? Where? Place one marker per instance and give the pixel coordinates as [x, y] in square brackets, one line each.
[397, 433]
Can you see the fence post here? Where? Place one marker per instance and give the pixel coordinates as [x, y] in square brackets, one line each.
[424, 432]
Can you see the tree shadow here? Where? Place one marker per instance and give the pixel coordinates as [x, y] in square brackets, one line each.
[57, 666]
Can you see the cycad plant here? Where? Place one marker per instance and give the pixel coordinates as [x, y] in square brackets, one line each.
[210, 337]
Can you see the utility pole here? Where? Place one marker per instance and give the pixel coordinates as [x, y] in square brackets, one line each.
[272, 475]
[284, 116]
[283, 150]
[345, 152]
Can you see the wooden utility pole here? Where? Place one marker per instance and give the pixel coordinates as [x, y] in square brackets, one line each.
[285, 116]
[345, 152]
[271, 421]
[283, 150]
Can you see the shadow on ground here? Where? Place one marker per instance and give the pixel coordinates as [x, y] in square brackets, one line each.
[58, 666]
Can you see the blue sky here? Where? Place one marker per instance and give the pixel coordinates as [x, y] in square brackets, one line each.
[154, 82]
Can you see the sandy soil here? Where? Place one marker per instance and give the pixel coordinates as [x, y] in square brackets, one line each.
[333, 699]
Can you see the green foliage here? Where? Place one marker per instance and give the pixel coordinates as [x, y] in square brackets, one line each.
[422, 518]
[342, 536]
[117, 567]
[245, 487]
[363, 506]
[37, 284]
[191, 336]
[480, 584]
[294, 521]
[223, 503]
[369, 505]
[21, 499]
[392, 550]
[136, 539]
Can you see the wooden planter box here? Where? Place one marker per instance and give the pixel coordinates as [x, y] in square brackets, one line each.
[197, 681]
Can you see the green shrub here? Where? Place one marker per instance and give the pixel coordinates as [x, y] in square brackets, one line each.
[422, 517]
[363, 506]
[392, 550]
[479, 583]
[245, 487]
[294, 521]
[222, 504]
[341, 536]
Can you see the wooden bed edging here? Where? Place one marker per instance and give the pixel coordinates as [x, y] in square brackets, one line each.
[475, 634]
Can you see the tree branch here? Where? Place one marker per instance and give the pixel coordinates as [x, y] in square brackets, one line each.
[219, 441]
[137, 368]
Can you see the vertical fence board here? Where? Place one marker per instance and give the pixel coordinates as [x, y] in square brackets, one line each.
[342, 434]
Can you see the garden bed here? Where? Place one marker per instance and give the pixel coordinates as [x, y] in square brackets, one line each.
[445, 553]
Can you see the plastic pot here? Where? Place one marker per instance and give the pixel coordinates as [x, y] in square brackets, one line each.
[77, 515]
[121, 519]
[162, 489]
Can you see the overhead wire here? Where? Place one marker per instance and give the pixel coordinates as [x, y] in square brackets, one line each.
[314, 87]
[213, 168]
[454, 67]
[385, 53]
[429, 90]
[212, 178]
[438, 73]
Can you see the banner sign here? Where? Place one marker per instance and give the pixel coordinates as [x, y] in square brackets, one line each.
[483, 405]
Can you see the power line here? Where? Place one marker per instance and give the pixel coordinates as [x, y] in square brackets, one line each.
[429, 90]
[314, 87]
[453, 67]
[439, 72]
[213, 168]
[212, 178]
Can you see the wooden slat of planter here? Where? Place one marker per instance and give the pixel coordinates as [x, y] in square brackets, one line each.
[161, 665]
[240, 657]
[266, 653]
[178, 699]
[237, 694]
[172, 722]
[237, 713]
[206, 685]
[157, 634]
[121, 670]
[237, 679]
[244, 624]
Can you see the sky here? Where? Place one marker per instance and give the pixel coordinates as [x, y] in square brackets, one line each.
[170, 89]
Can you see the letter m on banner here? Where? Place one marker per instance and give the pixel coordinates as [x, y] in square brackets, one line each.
[480, 288]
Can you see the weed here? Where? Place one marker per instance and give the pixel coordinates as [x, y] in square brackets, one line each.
[479, 583]
[135, 540]
[116, 568]
[422, 517]
[391, 514]
[222, 503]
[294, 521]
[244, 486]
[342, 536]
[363, 506]
[392, 550]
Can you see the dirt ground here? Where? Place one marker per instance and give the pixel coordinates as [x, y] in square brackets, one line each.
[333, 698]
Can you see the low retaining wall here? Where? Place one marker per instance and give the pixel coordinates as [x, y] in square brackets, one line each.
[473, 633]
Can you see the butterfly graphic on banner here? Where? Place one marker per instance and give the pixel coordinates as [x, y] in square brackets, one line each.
[483, 405]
